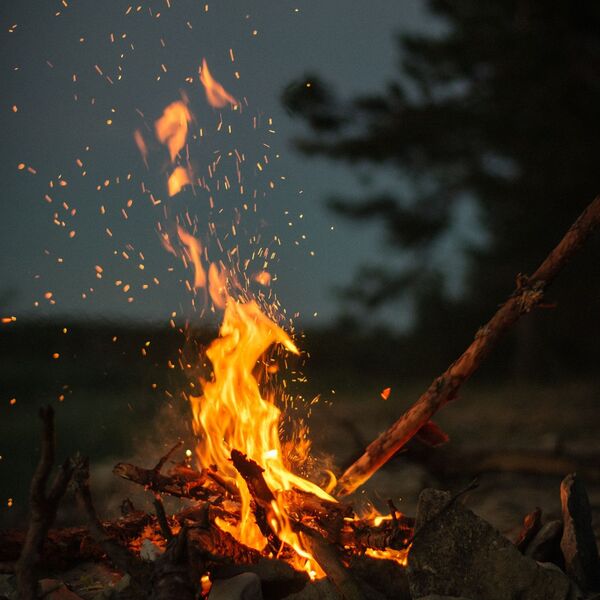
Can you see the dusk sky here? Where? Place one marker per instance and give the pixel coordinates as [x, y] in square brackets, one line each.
[80, 77]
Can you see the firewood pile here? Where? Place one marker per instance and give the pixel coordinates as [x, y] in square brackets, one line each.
[445, 551]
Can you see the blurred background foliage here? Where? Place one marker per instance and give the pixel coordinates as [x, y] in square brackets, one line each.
[491, 126]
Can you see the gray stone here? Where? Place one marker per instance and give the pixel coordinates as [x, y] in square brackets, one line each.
[53, 589]
[578, 543]
[545, 545]
[385, 576]
[8, 587]
[241, 587]
[455, 553]
[317, 590]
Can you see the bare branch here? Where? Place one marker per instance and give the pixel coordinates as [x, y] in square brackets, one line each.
[43, 507]
[528, 294]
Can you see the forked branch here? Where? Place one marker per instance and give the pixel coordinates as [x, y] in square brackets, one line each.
[43, 507]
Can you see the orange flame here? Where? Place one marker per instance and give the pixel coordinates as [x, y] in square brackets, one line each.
[178, 178]
[141, 144]
[172, 127]
[194, 252]
[216, 95]
[399, 556]
[217, 285]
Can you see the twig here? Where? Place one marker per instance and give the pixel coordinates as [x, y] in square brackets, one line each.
[181, 485]
[528, 294]
[43, 506]
[161, 517]
[161, 463]
[121, 557]
[393, 511]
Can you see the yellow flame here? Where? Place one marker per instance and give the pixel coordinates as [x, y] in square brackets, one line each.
[216, 95]
[232, 414]
[399, 556]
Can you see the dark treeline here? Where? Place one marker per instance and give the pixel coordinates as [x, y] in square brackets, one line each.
[161, 362]
[494, 114]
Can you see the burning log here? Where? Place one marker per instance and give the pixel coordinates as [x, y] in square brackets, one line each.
[43, 505]
[212, 545]
[325, 553]
[527, 295]
[335, 521]
[360, 535]
[263, 496]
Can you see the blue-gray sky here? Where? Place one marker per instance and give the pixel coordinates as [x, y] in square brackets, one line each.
[57, 64]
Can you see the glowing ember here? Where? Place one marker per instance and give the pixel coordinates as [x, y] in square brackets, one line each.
[194, 251]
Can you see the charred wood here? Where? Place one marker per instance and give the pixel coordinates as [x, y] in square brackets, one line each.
[360, 536]
[252, 474]
[578, 543]
[119, 555]
[171, 577]
[190, 484]
[161, 517]
[328, 557]
[65, 547]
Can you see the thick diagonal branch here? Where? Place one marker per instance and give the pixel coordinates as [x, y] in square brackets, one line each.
[528, 294]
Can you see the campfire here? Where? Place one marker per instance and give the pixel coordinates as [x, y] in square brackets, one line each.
[256, 522]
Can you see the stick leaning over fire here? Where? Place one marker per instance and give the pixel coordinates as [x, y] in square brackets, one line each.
[527, 295]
